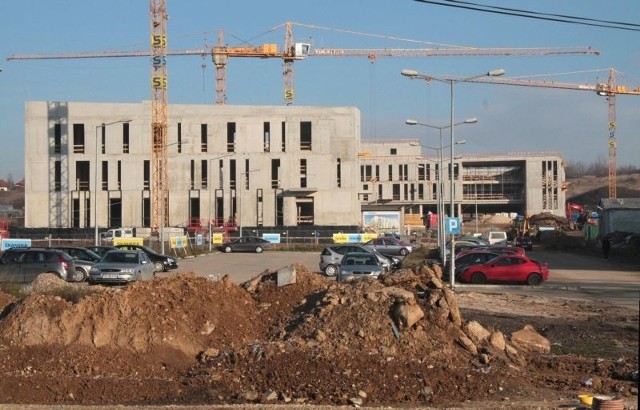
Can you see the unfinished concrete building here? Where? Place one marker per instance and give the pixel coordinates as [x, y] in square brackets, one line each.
[395, 176]
[259, 167]
[254, 165]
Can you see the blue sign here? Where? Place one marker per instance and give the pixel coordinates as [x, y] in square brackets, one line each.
[452, 226]
[271, 237]
[199, 239]
[15, 243]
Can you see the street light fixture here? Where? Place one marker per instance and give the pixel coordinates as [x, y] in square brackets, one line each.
[440, 187]
[451, 81]
[95, 177]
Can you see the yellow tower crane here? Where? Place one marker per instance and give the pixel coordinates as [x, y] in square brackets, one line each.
[293, 51]
[159, 157]
[220, 54]
[609, 90]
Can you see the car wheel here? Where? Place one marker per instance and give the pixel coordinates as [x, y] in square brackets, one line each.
[79, 275]
[158, 266]
[478, 278]
[534, 279]
[259, 249]
[404, 252]
[331, 270]
[227, 249]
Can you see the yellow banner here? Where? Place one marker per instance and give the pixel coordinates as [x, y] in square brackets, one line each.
[128, 241]
[217, 238]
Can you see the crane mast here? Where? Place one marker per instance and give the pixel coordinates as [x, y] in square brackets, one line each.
[613, 161]
[159, 200]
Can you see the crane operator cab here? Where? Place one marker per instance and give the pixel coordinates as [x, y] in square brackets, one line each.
[302, 50]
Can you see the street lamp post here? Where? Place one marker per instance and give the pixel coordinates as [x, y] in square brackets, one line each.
[210, 188]
[95, 177]
[440, 187]
[451, 81]
[243, 185]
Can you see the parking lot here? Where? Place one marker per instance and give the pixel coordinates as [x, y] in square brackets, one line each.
[571, 275]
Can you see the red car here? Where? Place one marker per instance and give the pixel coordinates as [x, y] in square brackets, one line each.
[507, 268]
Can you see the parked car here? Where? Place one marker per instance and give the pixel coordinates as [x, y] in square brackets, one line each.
[331, 257]
[22, 265]
[473, 239]
[246, 244]
[82, 257]
[389, 245]
[498, 249]
[524, 242]
[495, 237]
[101, 250]
[357, 265]
[161, 262]
[122, 267]
[79, 253]
[507, 268]
[467, 259]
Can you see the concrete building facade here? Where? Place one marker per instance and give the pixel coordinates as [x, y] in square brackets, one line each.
[259, 167]
[256, 166]
[396, 175]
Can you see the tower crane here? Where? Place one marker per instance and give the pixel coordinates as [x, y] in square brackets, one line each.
[220, 54]
[609, 90]
[159, 157]
[293, 51]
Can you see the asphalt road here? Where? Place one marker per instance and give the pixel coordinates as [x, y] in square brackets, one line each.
[571, 275]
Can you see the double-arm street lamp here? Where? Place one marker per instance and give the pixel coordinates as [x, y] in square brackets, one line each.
[210, 188]
[440, 186]
[95, 176]
[412, 74]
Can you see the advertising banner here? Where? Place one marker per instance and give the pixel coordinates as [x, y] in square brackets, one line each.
[9, 243]
[128, 241]
[381, 221]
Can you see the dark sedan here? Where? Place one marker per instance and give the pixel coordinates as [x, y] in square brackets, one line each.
[246, 244]
[161, 262]
[524, 242]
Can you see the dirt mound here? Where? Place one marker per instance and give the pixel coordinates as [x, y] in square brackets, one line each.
[185, 312]
[187, 339]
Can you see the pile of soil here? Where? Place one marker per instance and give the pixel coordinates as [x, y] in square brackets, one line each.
[188, 339]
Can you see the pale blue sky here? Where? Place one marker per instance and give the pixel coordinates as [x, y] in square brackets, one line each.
[510, 118]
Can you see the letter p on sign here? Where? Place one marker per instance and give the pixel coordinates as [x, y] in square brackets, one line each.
[452, 226]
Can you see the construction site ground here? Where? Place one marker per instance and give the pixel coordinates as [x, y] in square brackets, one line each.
[402, 341]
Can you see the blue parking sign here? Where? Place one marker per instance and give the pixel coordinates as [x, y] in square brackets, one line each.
[452, 226]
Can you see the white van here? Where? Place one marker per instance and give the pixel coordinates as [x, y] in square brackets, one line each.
[495, 238]
[112, 234]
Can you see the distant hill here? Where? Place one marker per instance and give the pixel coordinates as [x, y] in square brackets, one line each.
[588, 190]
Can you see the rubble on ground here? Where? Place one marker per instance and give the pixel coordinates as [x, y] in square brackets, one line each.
[187, 339]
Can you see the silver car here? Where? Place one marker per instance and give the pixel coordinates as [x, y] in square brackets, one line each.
[24, 264]
[390, 246]
[122, 267]
[332, 255]
[357, 265]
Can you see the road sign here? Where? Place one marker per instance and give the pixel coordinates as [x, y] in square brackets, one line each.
[452, 226]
